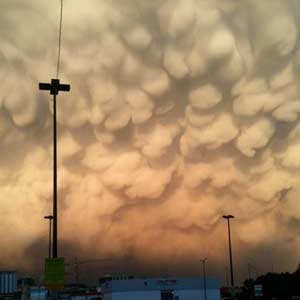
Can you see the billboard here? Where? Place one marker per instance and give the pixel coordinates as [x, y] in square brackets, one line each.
[55, 273]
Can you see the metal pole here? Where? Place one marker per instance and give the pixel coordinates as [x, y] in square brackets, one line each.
[50, 237]
[230, 253]
[50, 218]
[54, 250]
[204, 278]
[54, 87]
[228, 217]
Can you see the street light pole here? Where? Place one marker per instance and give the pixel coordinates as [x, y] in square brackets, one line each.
[204, 277]
[50, 218]
[228, 217]
[54, 87]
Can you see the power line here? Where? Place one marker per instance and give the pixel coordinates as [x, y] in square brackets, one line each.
[59, 38]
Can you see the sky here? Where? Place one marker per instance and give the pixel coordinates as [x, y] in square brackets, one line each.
[180, 111]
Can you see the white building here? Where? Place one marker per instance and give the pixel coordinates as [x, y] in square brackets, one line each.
[38, 293]
[161, 289]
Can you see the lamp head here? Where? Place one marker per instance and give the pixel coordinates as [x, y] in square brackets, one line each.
[228, 217]
[48, 217]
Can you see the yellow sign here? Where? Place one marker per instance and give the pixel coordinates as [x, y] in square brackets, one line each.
[55, 273]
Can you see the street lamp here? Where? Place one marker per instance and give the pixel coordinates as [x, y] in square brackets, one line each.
[50, 218]
[228, 217]
[204, 277]
[54, 87]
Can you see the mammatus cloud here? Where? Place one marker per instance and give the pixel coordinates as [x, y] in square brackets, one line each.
[180, 111]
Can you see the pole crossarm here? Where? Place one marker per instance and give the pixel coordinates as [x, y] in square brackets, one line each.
[54, 87]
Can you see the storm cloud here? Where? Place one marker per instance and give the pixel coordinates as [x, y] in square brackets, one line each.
[180, 111]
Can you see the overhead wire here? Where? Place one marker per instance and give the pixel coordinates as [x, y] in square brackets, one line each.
[59, 38]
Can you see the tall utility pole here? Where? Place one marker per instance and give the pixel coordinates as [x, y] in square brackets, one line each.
[228, 217]
[204, 277]
[50, 218]
[54, 87]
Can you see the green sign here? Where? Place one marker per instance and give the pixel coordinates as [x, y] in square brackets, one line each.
[55, 273]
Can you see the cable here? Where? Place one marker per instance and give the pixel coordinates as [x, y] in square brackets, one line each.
[59, 38]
